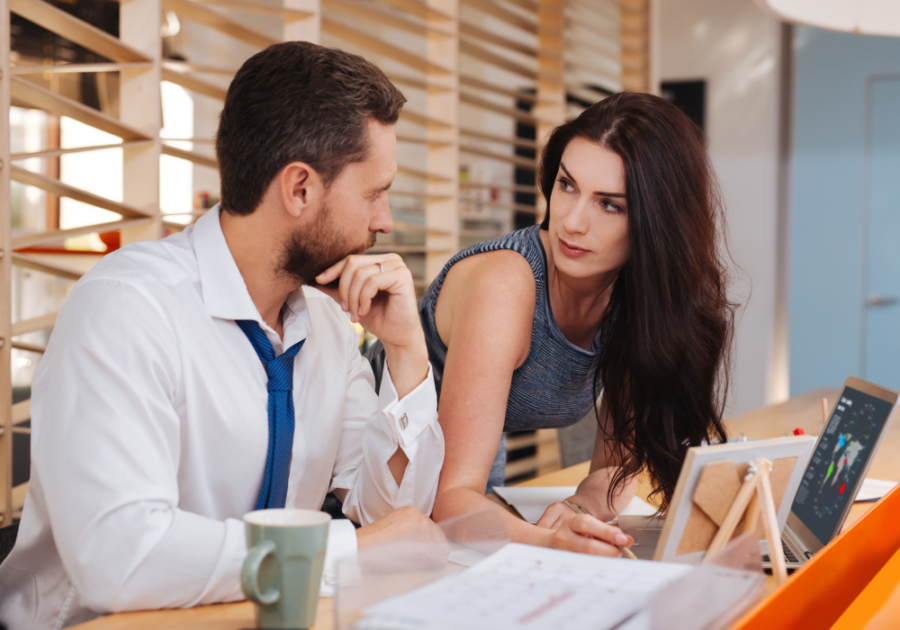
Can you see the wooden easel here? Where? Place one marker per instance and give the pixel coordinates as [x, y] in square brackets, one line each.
[753, 500]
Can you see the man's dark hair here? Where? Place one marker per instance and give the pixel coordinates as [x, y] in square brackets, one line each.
[297, 102]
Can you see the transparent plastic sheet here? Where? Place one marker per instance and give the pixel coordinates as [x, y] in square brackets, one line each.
[415, 560]
[713, 595]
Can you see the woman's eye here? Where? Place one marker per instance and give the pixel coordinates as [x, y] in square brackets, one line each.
[565, 185]
[610, 207]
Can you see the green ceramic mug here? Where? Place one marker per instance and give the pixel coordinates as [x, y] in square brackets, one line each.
[283, 569]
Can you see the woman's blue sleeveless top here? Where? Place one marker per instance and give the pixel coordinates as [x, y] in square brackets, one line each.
[554, 386]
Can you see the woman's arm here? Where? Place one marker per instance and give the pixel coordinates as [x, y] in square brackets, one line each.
[593, 493]
[484, 315]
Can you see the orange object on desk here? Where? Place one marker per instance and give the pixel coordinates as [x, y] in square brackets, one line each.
[817, 595]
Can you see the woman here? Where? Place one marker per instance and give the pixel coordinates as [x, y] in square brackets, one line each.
[622, 287]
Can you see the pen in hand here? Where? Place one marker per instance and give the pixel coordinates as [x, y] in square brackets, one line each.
[625, 551]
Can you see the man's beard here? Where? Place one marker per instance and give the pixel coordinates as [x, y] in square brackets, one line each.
[311, 251]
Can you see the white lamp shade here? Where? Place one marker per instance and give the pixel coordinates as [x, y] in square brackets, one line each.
[867, 17]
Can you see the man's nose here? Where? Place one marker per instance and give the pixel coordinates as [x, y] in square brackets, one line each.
[382, 221]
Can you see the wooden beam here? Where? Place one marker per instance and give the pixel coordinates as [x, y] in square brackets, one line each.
[78, 31]
[190, 156]
[521, 162]
[550, 109]
[418, 195]
[425, 121]
[19, 493]
[521, 95]
[380, 47]
[185, 67]
[414, 172]
[28, 262]
[28, 347]
[87, 68]
[419, 140]
[21, 412]
[216, 21]
[430, 84]
[257, 7]
[417, 228]
[30, 240]
[485, 55]
[420, 9]
[27, 94]
[512, 112]
[497, 11]
[481, 135]
[492, 38]
[98, 147]
[26, 326]
[56, 187]
[371, 12]
[516, 188]
[193, 84]
[6, 426]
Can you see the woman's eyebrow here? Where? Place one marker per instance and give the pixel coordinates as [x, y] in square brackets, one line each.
[596, 192]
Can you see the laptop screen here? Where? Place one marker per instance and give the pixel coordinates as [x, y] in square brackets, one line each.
[837, 463]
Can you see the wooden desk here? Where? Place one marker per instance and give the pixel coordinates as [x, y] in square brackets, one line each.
[801, 411]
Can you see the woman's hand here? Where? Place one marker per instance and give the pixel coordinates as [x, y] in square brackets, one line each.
[555, 515]
[585, 534]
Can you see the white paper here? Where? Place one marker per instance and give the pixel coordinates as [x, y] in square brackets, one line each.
[522, 586]
[874, 489]
[532, 502]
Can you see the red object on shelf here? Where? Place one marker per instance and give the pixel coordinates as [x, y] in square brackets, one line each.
[799, 431]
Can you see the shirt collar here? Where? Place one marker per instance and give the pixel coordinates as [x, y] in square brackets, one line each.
[224, 290]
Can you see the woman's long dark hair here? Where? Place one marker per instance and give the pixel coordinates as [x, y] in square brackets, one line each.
[665, 358]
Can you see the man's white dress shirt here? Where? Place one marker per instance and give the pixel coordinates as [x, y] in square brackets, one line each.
[150, 434]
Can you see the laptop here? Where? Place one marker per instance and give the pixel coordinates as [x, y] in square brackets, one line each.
[829, 485]
[838, 465]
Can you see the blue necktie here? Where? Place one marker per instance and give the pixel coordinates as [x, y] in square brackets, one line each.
[281, 414]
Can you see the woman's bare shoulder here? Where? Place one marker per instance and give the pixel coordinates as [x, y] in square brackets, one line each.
[500, 270]
[493, 292]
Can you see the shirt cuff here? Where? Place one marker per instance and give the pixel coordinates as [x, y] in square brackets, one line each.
[341, 544]
[408, 417]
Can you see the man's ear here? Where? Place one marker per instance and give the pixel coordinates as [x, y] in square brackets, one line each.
[301, 188]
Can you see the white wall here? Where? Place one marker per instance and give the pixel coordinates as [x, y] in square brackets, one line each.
[735, 48]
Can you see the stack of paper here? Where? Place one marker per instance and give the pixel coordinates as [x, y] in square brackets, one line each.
[522, 586]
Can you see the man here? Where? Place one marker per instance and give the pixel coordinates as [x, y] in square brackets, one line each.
[165, 408]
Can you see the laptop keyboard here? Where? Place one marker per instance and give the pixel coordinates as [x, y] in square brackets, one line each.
[788, 554]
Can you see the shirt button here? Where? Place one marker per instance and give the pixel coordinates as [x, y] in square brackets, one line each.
[404, 421]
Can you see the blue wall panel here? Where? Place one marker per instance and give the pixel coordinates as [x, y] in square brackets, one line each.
[828, 189]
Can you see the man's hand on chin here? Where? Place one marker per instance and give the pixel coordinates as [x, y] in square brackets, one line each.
[398, 523]
[378, 292]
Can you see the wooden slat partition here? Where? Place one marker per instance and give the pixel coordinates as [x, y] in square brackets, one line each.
[27, 94]
[531, 50]
[6, 416]
[213, 19]
[442, 158]
[75, 30]
[35, 264]
[636, 58]
[191, 156]
[56, 187]
[374, 44]
[42, 238]
[31, 325]
[193, 84]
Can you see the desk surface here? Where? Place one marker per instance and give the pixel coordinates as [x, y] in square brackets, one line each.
[775, 420]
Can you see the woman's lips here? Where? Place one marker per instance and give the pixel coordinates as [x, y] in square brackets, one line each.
[571, 250]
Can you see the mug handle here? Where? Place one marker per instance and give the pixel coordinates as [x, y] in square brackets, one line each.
[250, 574]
